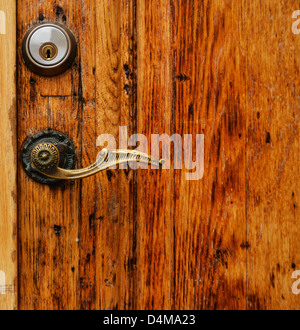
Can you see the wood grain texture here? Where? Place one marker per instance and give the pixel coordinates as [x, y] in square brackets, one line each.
[209, 222]
[8, 159]
[48, 217]
[154, 221]
[272, 155]
[81, 240]
[112, 219]
[150, 239]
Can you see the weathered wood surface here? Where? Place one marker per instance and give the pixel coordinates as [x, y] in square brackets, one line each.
[8, 157]
[150, 239]
[272, 155]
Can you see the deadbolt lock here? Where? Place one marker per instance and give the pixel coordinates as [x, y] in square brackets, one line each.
[49, 49]
[49, 157]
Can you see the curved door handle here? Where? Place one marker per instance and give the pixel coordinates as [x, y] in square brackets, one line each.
[49, 157]
[45, 159]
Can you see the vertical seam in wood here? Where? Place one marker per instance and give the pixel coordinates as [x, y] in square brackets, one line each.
[17, 167]
[95, 137]
[134, 178]
[80, 111]
[245, 175]
[173, 128]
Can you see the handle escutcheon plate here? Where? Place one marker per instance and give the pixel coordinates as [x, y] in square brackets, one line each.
[43, 154]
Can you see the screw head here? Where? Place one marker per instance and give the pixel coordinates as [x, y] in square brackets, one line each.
[43, 148]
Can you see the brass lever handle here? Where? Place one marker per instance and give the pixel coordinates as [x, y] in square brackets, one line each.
[45, 158]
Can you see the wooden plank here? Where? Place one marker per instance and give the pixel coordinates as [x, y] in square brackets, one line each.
[154, 195]
[48, 217]
[272, 166]
[107, 225]
[191, 234]
[8, 157]
[89, 263]
[209, 99]
[86, 33]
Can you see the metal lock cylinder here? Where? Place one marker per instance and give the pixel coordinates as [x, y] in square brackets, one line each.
[49, 49]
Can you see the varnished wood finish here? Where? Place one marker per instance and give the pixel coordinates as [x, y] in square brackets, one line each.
[209, 98]
[154, 214]
[150, 239]
[272, 155]
[8, 158]
[49, 218]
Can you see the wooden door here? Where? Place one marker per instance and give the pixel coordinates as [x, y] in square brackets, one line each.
[150, 239]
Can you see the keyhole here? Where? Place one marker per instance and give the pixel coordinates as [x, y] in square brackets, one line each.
[48, 51]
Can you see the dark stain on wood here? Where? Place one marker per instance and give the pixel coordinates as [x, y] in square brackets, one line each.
[268, 137]
[126, 70]
[59, 11]
[57, 230]
[109, 175]
[182, 77]
[245, 245]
